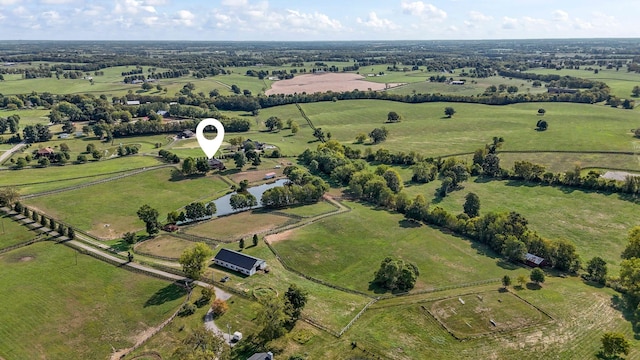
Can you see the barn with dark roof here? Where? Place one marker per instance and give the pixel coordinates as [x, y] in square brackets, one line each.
[237, 261]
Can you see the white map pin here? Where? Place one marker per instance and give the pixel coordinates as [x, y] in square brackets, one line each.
[210, 147]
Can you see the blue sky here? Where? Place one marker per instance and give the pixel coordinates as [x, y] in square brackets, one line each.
[304, 20]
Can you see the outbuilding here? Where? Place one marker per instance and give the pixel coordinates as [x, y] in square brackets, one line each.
[237, 261]
[534, 261]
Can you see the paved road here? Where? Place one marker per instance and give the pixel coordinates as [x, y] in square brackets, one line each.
[5, 155]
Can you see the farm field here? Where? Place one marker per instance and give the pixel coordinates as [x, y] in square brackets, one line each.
[621, 82]
[27, 116]
[77, 310]
[473, 86]
[580, 315]
[310, 210]
[11, 232]
[30, 181]
[338, 249]
[556, 213]
[240, 225]
[164, 245]
[425, 129]
[117, 209]
[562, 162]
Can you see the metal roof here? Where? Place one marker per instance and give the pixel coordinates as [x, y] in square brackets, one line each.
[238, 259]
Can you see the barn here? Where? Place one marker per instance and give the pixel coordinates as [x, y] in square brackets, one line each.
[534, 261]
[237, 261]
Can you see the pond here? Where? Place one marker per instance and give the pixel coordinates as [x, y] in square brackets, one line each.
[223, 205]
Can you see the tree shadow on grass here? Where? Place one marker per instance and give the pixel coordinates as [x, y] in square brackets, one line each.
[168, 293]
[533, 286]
[377, 289]
[409, 224]
[507, 265]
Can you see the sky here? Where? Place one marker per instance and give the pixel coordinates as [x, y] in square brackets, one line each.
[303, 20]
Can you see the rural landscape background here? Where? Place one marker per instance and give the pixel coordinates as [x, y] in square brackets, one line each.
[412, 199]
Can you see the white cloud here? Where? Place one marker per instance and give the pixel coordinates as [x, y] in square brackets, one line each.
[51, 17]
[509, 22]
[478, 16]
[185, 18]
[150, 20]
[419, 8]
[373, 21]
[133, 7]
[582, 24]
[56, 2]
[90, 11]
[529, 21]
[303, 22]
[9, 2]
[235, 3]
[560, 15]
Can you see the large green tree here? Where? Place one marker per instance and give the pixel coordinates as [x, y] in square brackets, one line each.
[149, 216]
[194, 260]
[614, 344]
[271, 318]
[9, 195]
[295, 299]
[396, 274]
[202, 344]
[189, 166]
[537, 276]
[378, 135]
[597, 270]
[471, 205]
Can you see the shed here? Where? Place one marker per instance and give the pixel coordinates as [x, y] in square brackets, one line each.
[534, 261]
[186, 134]
[237, 261]
[262, 356]
[133, 102]
[270, 175]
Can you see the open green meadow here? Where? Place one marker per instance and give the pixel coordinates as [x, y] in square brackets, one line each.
[472, 86]
[29, 181]
[621, 82]
[426, 130]
[164, 245]
[310, 210]
[241, 225]
[77, 310]
[27, 117]
[12, 233]
[562, 162]
[596, 223]
[108, 210]
[347, 249]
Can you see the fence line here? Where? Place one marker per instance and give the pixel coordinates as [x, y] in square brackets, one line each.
[373, 301]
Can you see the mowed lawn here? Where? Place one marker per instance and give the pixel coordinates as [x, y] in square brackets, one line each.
[108, 210]
[54, 308]
[596, 223]
[425, 129]
[164, 245]
[348, 248]
[581, 314]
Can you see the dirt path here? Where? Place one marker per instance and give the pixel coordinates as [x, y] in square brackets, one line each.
[5, 155]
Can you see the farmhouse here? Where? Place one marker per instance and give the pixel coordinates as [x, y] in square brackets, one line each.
[45, 152]
[185, 134]
[240, 262]
[216, 164]
[534, 261]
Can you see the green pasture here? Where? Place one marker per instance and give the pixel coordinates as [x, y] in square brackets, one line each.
[425, 129]
[562, 162]
[27, 117]
[330, 307]
[35, 180]
[621, 82]
[347, 249]
[11, 232]
[240, 225]
[311, 210]
[78, 310]
[473, 86]
[596, 223]
[108, 210]
[164, 245]
[581, 314]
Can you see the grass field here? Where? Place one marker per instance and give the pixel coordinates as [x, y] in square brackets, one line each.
[27, 117]
[554, 212]
[472, 315]
[12, 233]
[35, 180]
[68, 310]
[165, 245]
[621, 82]
[105, 205]
[240, 225]
[471, 87]
[581, 315]
[311, 210]
[347, 249]
[562, 162]
[424, 128]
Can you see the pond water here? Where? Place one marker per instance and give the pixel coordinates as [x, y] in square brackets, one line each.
[223, 206]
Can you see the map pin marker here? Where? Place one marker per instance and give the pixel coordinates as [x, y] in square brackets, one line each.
[210, 147]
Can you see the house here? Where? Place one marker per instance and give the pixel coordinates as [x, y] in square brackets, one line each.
[534, 261]
[457, 82]
[185, 134]
[133, 102]
[45, 152]
[216, 164]
[262, 356]
[162, 113]
[270, 175]
[239, 262]
[256, 144]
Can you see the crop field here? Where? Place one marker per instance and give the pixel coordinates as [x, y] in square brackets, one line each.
[485, 313]
[556, 213]
[425, 129]
[108, 214]
[240, 225]
[78, 310]
[339, 249]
